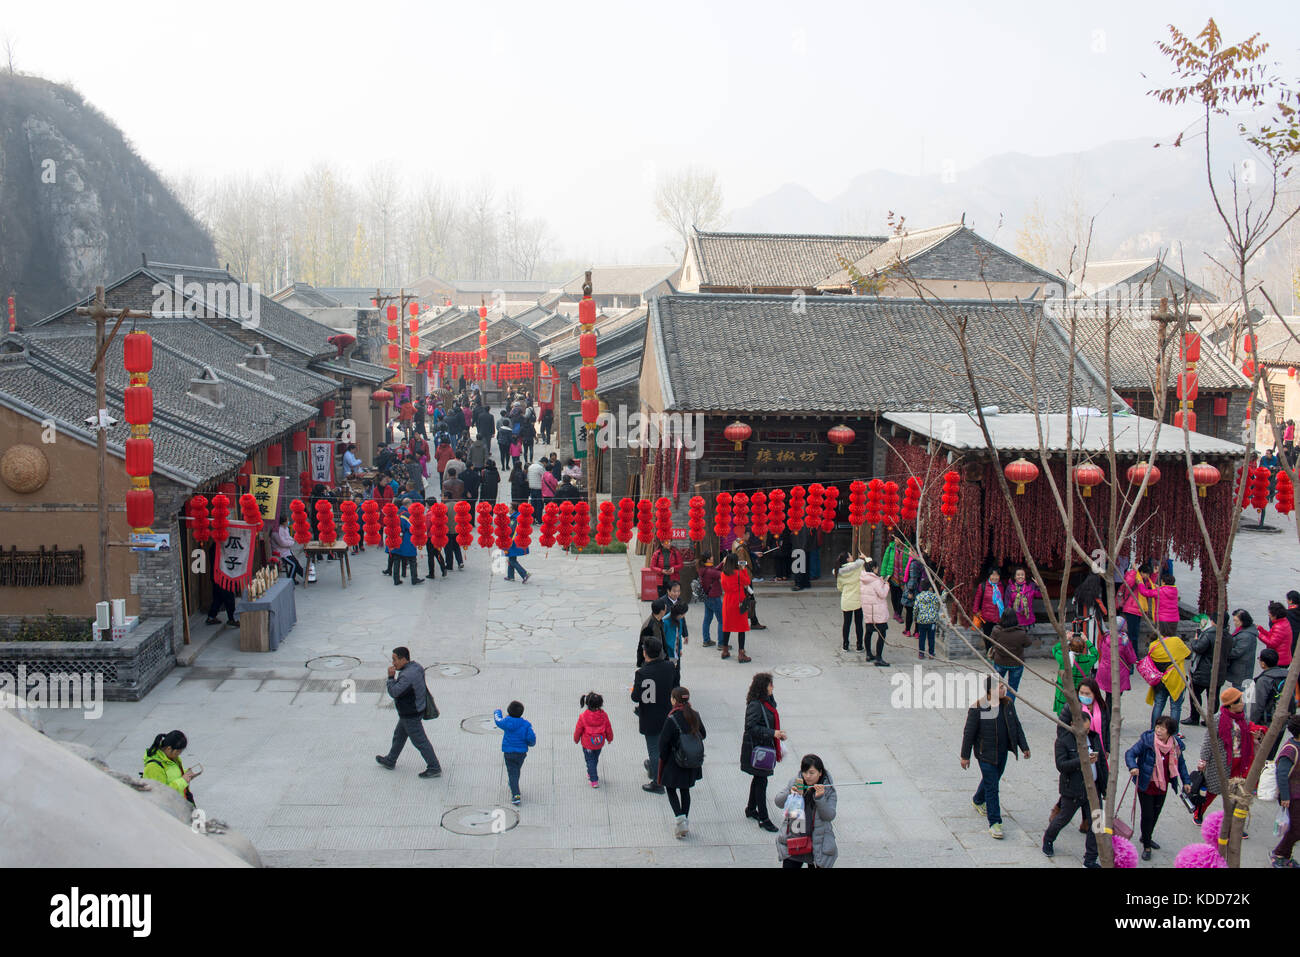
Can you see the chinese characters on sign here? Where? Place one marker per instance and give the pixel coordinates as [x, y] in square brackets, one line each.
[767, 457]
[322, 460]
[266, 489]
[234, 562]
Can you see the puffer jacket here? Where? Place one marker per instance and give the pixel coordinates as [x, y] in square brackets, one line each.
[847, 582]
[158, 767]
[1127, 662]
[1143, 757]
[823, 834]
[1166, 597]
[874, 594]
[593, 730]
[1278, 637]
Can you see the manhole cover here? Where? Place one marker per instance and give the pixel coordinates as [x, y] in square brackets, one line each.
[480, 724]
[333, 663]
[452, 669]
[480, 821]
[797, 671]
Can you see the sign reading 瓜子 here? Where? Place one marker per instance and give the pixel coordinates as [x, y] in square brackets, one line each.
[773, 456]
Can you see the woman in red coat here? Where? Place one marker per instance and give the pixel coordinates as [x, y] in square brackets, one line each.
[734, 582]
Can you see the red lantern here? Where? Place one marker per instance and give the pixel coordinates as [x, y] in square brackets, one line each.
[138, 403]
[1221, 405]
[911, 499]
[197, 509]
[590, 411]
[1191, 347]
[413, 308]
[250, 511]
[137, 351]
[139, 457]
[380, 395]
[841, 436]
[1206, 475]
[1285, 502]
[1021, 472]
[220, 517]
[327, 408]
[828, 508]
[1088, 475]
[587, 345]
[1187, 386]
[890, 509]
[1137, 472]
[300, 441]
[1185, 415]
[391, 312]
[1248, 370]
[1248, 342]
[139, 508]
[274, 456]
[737, 432]
[951, 496]
[1291, 371]
[1259, 491]
[587, 374]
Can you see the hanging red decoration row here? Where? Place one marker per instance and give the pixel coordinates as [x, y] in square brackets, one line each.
[251, 511]
[137, 353]
[1285, 499]
[695, 519]
[587, 348]
[299, 525]
[951, 496]
[605, 524]
[220, 517]
[464, 524]
[795, 512]
[197, 510]
[626, 519]
[911, 499]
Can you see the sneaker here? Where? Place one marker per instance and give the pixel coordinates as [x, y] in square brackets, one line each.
[1048, 849]
[881, 663]
[708, 644]
[385, 762]
[431, 773]
[679, 827]
[516, 800]
[1277, 860]
[995, 831]
[981, 809]
[595, 784]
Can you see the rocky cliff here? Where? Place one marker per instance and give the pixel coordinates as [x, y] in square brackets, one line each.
[77, 204]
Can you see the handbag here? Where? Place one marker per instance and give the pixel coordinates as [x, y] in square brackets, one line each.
[1120, 827]
[1150, 671]
[430, 706]
[746, 602]
[762, 758]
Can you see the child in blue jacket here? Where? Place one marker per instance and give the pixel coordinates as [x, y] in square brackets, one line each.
[516, 741]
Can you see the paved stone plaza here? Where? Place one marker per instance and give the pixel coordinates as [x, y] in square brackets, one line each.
[290, 764]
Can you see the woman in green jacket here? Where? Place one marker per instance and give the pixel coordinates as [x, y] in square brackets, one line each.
[162, 763]
[1084, 658]
[892, 565]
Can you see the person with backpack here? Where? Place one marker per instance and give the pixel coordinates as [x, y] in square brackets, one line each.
[410, 697]
[992, 732]
[162, 763]
[760, 746]
[681, 757]
[593, 732]
[518, 737]
[808, 837]
[1288, 783]
[1156, 764]
[926, 609]
[1269, 684]
[651, 687]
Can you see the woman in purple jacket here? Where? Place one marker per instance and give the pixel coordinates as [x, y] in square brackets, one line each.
[1020, 595]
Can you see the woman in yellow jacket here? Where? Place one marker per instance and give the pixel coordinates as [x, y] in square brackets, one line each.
[162, 763]
[846, 579]
[1170, 655]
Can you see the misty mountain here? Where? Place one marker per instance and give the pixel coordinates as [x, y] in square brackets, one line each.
[77, 204]
[1144, 199]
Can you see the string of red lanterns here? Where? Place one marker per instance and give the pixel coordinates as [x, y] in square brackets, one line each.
[137, 351]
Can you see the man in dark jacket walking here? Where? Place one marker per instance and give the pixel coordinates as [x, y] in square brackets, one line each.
[653, 627]
[1074, 797]
[406, 688]
[484, 425]
[651, 687]
[505, 436]
[992, 731]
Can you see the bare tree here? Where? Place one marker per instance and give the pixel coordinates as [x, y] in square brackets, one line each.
[525, 239]
[9, 47]
[688, 197]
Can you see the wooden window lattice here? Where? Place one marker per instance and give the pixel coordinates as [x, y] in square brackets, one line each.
[52, 567]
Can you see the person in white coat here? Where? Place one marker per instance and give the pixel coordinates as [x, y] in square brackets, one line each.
[874, 595]
[846, 579]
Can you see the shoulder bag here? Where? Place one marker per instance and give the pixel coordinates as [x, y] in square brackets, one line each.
[430, 706]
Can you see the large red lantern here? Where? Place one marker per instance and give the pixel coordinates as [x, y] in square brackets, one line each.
[1137, 472]
[1221, 405]
[274, 455]
[590, 411]
[380, 395]
[300, 441]
[1185, 415]
[841, 436]
[1205, 476]
[1087, 476]
[1021, 472]
[197, 509]
[137, 352]
[1188, 383]
[737, 432]
[391, 312]
[139, 508]
[1285, 501]
[951, 496]
[139, 457]
[327, 408]
[138, 402]
[1191, 349]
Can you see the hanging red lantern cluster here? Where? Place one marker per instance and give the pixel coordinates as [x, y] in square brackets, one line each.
[722, 514]
[813, 516]
[1087, 476]
[695, 519]
[419, 529]
[1248, 369]
[220, 518]
[1284, 501]
[626, 518]
[587, 348]
[298, 523]
[663, 520]
[394, 350]
[889, 505]
[512, 372]
[857, 502]
[1020, 473]
[464, 524]
[197, 510]
[435, 517]
[137, 351]
[951, 495]
[564, 534]
[305, 483]
[392, 519]
[605, 524]
[1136, 473]
[776, 511]
[875, 501]
[351, 533]
[737, 432]
[739, 513]
[250, 511]
[550, 519]
[524, 526]
[581, 524]
[326, 531]
[841, 436]
[370, 529]
[482, 333]
[1259, 493]
[484, 512]
[758, 514]
[501, 523]
[911, 500]
[794, 519]
[829, 500]
[644, 521]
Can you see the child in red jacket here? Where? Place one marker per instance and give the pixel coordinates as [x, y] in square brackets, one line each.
[593, 732]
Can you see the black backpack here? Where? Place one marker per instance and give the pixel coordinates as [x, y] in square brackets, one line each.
[689, 750]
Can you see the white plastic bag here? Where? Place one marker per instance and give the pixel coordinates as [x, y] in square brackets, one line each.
[786, 750]
[1267, 789]
[796, 821]
[1282, 822]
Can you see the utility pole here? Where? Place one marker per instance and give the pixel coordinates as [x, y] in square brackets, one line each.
[403, 298]
[98, 311]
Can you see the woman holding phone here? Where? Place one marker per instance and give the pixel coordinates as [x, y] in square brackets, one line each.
[162, 763]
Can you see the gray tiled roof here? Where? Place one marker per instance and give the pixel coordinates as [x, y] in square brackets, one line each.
[1151, 277]
[306, 294]
[774, 260]
[553, 323]
[842, 354]
[365, 371]
[951, 252]
[487, 286]
[621, 280]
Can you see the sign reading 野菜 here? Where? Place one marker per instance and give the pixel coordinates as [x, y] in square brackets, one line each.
[765, 456]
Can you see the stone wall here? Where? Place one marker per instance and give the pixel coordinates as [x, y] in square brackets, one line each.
[157, 581]
[130, 667]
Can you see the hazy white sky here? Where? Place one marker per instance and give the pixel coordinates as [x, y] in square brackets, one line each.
[577, 105]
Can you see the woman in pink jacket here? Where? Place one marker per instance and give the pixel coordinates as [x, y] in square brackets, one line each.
[875, 609]
[1131, 609]
[1127, 661]
[1019, 595]
[1278, 633]
[1166, 596]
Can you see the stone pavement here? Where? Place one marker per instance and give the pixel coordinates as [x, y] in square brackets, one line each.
[288, 745]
